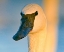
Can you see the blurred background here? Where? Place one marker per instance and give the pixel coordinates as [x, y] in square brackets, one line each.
[10, 22]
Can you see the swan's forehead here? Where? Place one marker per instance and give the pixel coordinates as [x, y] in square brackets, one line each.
[28, 17]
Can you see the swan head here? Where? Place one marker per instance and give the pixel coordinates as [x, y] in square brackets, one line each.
[33, 20]
[26, 26]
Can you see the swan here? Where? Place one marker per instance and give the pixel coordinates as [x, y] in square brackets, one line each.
[34, 24]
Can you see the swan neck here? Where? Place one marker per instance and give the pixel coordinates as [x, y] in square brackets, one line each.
[37, 41]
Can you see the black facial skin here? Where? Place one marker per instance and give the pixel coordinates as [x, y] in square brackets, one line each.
[26, 26]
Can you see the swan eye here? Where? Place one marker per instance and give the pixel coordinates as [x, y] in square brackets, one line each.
[22, 14]
[36, 13]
